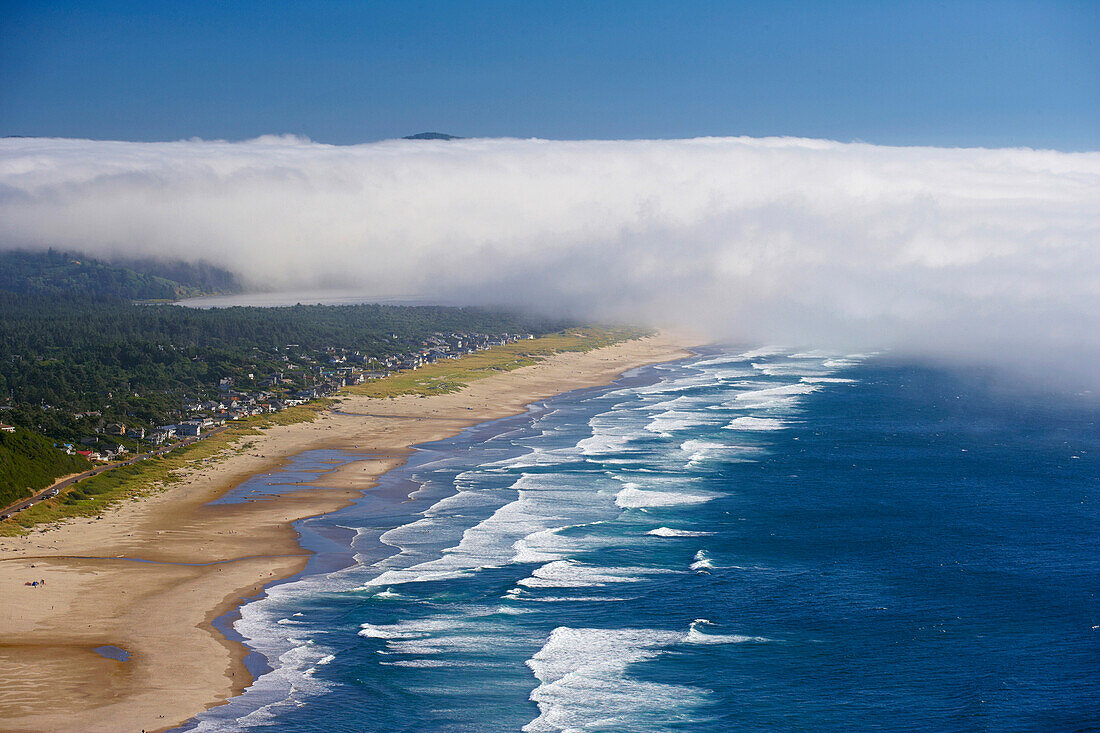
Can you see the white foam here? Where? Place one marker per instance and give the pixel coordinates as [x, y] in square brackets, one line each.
[603, 444]
[537, 457]
[679, 384]
[574, 574]
[763, 351]
[388, 593]
[391, 631]
[668, 532]
[584, 682]
[697, 635]
[572, 599]
[421, 663]
[524, 530]
[702, 450]
[634, 498]
[463, 500]
[671, 421]
[756, 423]
[702, 561]
[772, 396]
[543, 546]
[720, 360]
[283, 688]
[676, 403]
[788, 369]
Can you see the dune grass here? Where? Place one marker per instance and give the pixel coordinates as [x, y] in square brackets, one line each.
[92, 496]
[451, 375]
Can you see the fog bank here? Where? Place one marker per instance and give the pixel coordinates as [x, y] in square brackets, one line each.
[968, 253]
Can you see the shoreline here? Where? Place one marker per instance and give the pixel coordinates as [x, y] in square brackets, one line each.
[152, 575]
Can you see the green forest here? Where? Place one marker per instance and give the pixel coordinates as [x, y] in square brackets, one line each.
[69, 274]
[30, 463]
[72, 341]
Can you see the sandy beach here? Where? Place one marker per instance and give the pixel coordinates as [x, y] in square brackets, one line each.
[150, 576]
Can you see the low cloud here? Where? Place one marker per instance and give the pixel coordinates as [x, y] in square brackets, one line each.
[988, 255]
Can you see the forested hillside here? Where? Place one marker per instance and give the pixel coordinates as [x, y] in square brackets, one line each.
[81, 361]
[139, 364]
[29, 463]
[58, 273]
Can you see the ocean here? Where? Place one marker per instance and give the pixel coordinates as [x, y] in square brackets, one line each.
[740, 541]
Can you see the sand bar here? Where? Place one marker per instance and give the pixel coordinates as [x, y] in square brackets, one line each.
[150, 576]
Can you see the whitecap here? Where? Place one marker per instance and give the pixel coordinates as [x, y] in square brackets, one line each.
[575, 574]
[668, 532]
[697, 635]
[763, 351]
[632, 497]
[420, 663]
[702, 450]
[672, 421]
[388, 593]
[769, 396]
[702, 561]
[584, 682]
[756, 423]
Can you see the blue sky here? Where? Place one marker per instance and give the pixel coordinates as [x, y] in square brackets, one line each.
[945, 73]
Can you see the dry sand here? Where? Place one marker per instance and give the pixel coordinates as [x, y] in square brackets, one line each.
[200, 560]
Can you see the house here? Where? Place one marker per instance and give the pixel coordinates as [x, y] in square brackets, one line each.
[113, 452]
[114, 428]
[136, 432]
[6, 428]
[190, 428]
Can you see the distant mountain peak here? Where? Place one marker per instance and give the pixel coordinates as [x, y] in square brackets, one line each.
[432, 136]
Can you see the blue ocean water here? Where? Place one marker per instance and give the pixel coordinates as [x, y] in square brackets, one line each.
[758, 541]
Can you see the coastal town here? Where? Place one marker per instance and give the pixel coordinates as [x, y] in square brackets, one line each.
[302, 376]
[294, 376]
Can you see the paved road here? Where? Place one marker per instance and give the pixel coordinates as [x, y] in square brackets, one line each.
[61, 486]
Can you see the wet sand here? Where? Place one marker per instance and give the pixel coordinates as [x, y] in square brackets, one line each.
[150, 576]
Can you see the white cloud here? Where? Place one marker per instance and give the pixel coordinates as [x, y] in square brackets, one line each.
[986, 253]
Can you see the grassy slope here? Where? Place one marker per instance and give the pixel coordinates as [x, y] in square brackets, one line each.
[30, 463]
[452, 375]
[92, 496]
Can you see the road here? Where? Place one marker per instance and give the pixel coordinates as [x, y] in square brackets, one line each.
[61, 486]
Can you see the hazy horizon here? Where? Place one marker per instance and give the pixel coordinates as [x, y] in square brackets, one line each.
[971, 253]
